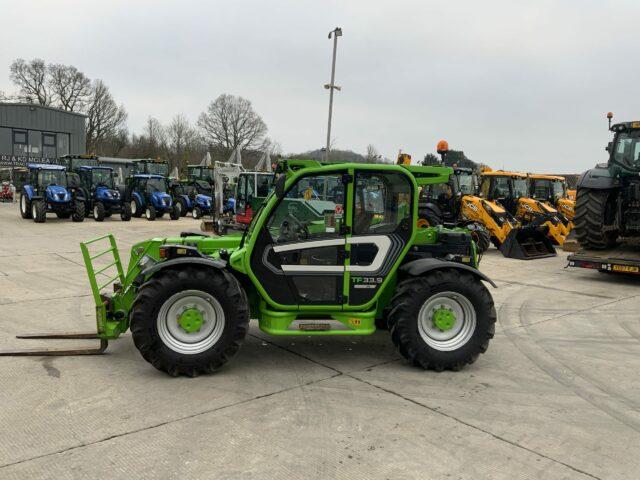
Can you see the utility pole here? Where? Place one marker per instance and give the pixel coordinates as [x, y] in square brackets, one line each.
[337, 32]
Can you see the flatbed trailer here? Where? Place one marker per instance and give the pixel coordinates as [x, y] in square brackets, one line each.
[623, 258]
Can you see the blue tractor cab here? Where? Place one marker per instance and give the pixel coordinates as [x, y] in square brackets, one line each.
[50, 189]
[148, 194]
[102, 197]
[194, 196]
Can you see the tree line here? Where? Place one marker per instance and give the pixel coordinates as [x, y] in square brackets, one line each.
[228, 123]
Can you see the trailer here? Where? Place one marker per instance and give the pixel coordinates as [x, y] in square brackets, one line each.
[623, 258]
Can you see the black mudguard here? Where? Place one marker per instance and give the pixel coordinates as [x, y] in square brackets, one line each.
[598, 178]
[418, 267]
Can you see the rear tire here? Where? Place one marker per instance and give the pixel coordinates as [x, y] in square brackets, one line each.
[175, 213]
[169, 347]
[594, 211]
[98, 212]
[412, 319]
[78, 212]
[150, 213]
[25, 206]
[183, 206]
[39, 211]
[125, 213]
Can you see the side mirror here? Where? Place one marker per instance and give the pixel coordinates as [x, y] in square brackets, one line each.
[279, 188]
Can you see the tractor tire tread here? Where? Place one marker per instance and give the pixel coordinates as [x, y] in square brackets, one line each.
[405, 306]
[145, 307]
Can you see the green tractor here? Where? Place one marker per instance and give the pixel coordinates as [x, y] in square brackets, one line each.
[608, 197]
[187, 300]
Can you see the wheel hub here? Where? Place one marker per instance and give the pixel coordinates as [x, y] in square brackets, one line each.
[191, 320]
[444, 319]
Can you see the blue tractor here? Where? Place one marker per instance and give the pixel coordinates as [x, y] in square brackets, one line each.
[48, 190]
[195, 196]
[102, 198]
[148, 194]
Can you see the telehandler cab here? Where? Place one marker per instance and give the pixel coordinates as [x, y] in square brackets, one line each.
[188, 299]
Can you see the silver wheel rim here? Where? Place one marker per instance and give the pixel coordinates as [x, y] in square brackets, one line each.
[147, 213]
[23, 204]
[462, 330]
[194, 213]
[179, 340]
[134, 207]
[95, 212]
[34, 214]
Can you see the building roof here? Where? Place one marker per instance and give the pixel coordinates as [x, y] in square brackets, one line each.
[35, 105]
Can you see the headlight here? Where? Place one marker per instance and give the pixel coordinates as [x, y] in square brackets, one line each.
[146, 261]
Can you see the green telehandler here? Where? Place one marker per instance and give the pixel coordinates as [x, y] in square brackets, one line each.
[188, 299]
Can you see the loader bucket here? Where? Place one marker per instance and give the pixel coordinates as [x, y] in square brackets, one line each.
[527, 243]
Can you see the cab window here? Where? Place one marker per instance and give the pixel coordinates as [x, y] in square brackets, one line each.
[303, 215]
[382, 203]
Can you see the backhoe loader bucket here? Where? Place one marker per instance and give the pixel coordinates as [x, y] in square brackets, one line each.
[527, 243]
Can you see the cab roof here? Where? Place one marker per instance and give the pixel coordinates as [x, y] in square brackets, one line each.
[45, 166]
[95, 167]
[503, 173]
[147, 175]
[542, 176]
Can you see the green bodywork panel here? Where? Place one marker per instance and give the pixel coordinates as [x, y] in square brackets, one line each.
[113, 310]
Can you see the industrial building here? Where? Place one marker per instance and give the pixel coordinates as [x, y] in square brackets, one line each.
[32, 133]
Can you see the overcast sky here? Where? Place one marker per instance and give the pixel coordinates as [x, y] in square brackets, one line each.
[521, 85]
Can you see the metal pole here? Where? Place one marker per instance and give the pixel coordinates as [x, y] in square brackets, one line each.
[331, 86]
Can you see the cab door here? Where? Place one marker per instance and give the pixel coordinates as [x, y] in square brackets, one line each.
[299, 254]
[381, 228]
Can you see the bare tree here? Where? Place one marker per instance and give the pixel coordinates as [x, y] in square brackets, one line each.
[105, 119]
[231, 122]
[182, 141]
[372, 155]
[31, 80]
[70, 88]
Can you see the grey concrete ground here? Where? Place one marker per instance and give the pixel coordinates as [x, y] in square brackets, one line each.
[557, 396]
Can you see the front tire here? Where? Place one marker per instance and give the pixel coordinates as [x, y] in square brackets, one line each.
[481, 236]
[189, 321]
[25, 206]
[38, 211]
[150, 213]
[98, 212]
[595, 210]
[197, 213]
[443, 320]
[136, 210]
[175, 213]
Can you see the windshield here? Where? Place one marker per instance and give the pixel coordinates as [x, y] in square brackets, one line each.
[52, 177]
[153, 168]
[559, 189]
[466, 184]
[156, 185]
[201, 173]
[627, 149]
[102, 177]
[519, 187]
